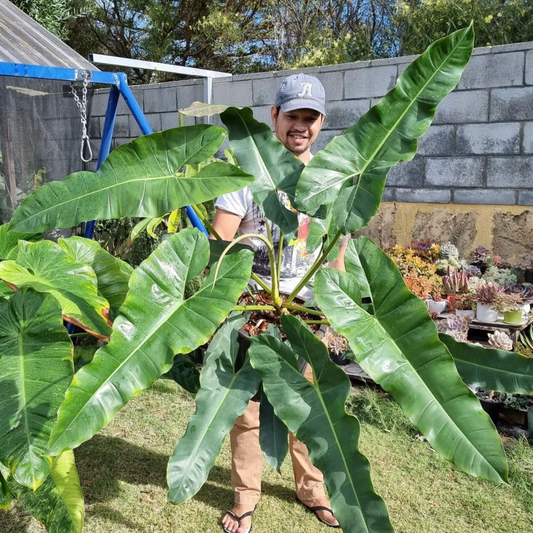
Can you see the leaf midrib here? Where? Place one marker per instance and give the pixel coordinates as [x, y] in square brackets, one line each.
[430, 393]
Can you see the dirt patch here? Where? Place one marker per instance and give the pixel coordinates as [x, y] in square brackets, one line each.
[512, 234]
[442, 226]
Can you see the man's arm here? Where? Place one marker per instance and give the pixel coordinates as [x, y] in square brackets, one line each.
[226, 224]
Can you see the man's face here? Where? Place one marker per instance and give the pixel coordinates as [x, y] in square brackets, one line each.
[297, 130]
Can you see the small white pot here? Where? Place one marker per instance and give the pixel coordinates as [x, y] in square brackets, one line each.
[526, 308]
[437, 307]
[484, 313]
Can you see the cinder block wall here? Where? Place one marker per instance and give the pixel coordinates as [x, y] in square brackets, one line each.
[479, 149]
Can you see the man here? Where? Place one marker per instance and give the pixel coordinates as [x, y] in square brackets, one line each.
[297, 117]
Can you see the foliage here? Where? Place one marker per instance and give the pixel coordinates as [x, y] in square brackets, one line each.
[487, 293]
[495, 22]
[394, 339]
[498, 275]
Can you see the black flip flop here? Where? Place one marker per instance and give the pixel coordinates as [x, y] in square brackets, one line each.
[320, 508]
[239, 518]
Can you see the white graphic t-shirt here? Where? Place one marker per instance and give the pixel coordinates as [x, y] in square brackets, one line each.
[295, 262]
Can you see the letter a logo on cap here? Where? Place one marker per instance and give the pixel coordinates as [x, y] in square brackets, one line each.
[306, 90]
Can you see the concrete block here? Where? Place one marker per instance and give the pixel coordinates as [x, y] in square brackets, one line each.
[500, 138]
[171, 120]
[484, 196]
[527, 138]
[389, 194]
[262, 114]
[233, 93]
[463, 107]
[138, 93]
[525, 197]
[154, 120]
[118, 141]
[454, 172]
[98, 105]
[94, 128]
[529, 68]
[343, 114]
[494, 70]
[438, 140]
[511, 104]
[264, 91]
[333, 83]
[428, 196]
[122, 126]
[324, 138]
[364, 83]
[408, 174]
[161, 99]
[510, 172]
[189, 93]
[511, 47]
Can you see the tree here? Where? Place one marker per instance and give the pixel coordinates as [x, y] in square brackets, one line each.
[496, 22]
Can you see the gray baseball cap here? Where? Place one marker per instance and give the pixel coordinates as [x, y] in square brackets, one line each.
[301, 91]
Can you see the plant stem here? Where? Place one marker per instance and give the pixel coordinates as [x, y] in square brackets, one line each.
[207, 223]
[273, 268]
[316, 265]
[260, 282]
[326, 322]
[303, 309]
[254, 308]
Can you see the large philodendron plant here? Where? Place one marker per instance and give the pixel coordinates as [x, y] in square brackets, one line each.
[47, 410]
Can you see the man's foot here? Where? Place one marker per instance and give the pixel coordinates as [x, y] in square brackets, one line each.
[238, 519]
[322, 509]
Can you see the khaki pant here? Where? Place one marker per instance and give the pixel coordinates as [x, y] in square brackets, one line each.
[247, 460]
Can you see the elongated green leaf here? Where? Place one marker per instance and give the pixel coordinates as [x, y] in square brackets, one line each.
[184, 373]
[45, 267]
[35, 371]
[353, 266]
[9, 240]
[261, 154]
[350, 172]
[6, 497]
[399, 348]
[315, 414]
[5, 290]
[58, 502]
[491, 369]
[155, 323]
[138, 179]
[112, 274]
[273, 433]
[223, 396]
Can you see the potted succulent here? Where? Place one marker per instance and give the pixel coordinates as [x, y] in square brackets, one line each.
[455, 283]
[485, 295]
[392, 338]
[510, 305]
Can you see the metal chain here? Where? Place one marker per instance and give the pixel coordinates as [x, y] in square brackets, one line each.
[82, 105]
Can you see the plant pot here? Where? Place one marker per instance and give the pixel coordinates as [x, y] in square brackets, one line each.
[513, 317]
[526, 308]
[485, 313]
[465, 312]
[437, 307]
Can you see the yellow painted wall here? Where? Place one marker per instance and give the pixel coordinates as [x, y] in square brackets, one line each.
[506, 230]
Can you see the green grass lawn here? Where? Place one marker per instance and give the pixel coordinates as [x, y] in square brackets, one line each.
[123, 470]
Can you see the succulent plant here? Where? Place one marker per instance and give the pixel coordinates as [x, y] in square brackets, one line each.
[526, 293]
[449, 251]
[507, 302]
[455, 282]
[487, 293]
[473, 270]
[500, 340]
[480, 255]
[456, 327]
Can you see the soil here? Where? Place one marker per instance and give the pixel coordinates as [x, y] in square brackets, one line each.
[259, 320]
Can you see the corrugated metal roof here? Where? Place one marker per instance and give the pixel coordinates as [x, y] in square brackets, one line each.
[22, 40]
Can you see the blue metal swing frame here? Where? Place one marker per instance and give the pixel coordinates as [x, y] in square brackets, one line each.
[118, 82]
